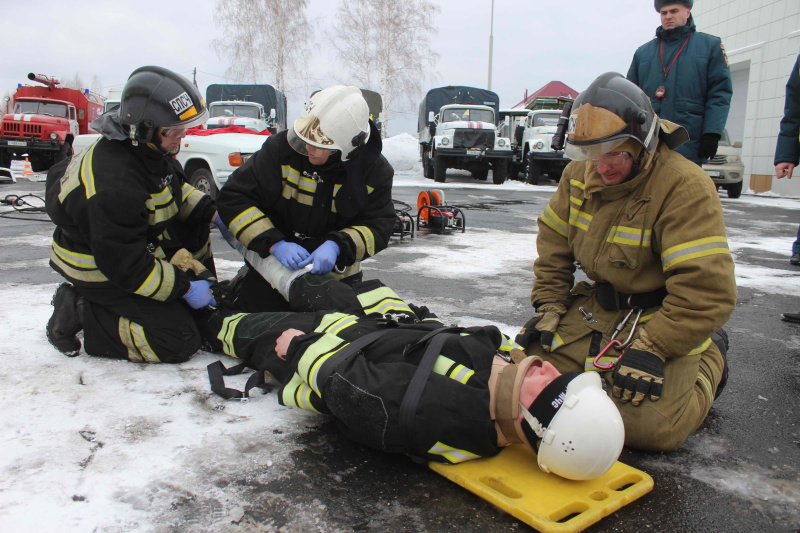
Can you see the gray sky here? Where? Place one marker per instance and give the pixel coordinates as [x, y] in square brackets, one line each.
[572, 41]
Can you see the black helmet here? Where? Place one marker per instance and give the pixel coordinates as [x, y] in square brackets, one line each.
[608, 113]
[155, 97]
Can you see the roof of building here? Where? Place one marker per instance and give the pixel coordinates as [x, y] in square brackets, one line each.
[552, 89]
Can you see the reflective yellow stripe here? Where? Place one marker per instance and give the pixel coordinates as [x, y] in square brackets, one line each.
[383, 300]
[76, 259]
[453, 455]
[159, 284]
[557, 342]
[554, 222]
[335, 323]
[83, 275]
[244, 219]
[297, 393]
[706, 385]
[579, 219]
[694, 249]
[702, 348]
[506, 345]
[447, 367]
[578, 184]
[364, 240]
[227, 331]
[629, 236]
[72, 176]
[315, 356]
[190, 197]
[87, 175]
[133, 338]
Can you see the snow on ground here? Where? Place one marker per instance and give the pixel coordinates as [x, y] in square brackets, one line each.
[107, 446]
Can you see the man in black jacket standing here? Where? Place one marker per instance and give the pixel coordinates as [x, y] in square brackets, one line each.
[122, 210]
[317, 196]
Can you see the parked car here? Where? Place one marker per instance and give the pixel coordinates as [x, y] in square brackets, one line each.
[726, 168]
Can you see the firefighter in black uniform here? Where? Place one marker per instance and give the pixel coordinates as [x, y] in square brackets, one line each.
[122, 210]
[395, 379]
[319, 194]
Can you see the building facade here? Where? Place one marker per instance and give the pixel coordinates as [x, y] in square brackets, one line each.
[762, 38]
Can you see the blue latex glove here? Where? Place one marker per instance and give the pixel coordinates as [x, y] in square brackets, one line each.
[324, 258]
[199, 294]
[223, 229]
[291, 255]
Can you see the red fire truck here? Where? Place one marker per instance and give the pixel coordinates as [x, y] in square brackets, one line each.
[44, 122]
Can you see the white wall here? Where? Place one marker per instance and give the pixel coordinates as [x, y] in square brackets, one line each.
[762, 37]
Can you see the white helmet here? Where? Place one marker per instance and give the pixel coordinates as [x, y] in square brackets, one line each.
[336, 118]
[577, 426]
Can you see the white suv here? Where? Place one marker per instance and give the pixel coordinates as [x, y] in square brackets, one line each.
[726, 168]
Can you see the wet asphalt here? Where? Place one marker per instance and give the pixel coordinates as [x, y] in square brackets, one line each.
[739, 472]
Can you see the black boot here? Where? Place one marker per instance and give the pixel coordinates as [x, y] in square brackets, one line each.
[791, 317]
[66, 321]
[720, 338]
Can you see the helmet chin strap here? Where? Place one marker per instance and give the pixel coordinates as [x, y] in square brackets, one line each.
[636, 166]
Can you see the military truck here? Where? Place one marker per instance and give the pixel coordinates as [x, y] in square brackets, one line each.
[511, 125]
[271, 100]
[537, 157]
[458, 129]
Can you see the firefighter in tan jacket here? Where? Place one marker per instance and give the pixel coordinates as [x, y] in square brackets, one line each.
[645, 226]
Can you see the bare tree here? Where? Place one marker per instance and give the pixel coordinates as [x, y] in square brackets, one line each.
[385, 45]
[264, 39]
[96, 85]
[73, 82]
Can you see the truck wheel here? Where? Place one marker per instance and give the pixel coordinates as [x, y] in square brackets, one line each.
[533, 170]
[439, 169]
[203, 181]
[734, 190]
[482, 172]
[65, 152]
[40, 162]
[427, 166]
[499, 171]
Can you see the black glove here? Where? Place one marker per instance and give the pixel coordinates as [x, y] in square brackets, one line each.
[637, 374]
[542, 326]
[708, 145]
[529, 333]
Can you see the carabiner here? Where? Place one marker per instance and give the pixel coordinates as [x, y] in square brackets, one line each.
[607, 366]
[617, 344]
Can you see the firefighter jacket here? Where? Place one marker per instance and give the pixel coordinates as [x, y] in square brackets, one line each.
[697, 87]
[787, 149]
[121, 211]
[365, 393]
[662, 229]
[364, 386]
[279, 195]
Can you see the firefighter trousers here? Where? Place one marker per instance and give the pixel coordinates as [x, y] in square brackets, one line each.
[120, 325]
[690, 384]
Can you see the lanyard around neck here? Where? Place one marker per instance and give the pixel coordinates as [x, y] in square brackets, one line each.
[661, 54]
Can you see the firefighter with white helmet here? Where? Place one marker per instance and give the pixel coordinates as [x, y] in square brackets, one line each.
[400, 381]
[645, 225]
[123, 209]
[318, 194]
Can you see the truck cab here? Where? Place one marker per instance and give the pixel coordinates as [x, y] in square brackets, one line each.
[458, 129]
[45, 121]
[511, 125]
[250, 115]
[538, 157]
